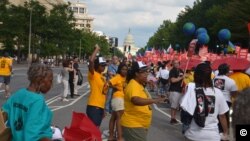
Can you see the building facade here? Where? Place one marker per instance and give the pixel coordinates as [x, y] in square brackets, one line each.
[47, 3]
[83, 20]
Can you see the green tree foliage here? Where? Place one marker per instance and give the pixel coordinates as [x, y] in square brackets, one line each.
[210, 14]
[52, 32]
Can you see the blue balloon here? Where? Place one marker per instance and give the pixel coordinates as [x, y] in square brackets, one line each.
[203, 38]
[189, 28]
[224, 35]
[177, 46]
[200, 30]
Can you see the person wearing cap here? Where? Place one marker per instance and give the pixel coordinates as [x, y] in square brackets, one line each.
[216, 106]
[137, 115]
[227, 86]
[5, 72]
[96, 100]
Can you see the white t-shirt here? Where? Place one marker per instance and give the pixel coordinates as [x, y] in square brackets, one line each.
[226, 85]
[164, 73]
[217, 106]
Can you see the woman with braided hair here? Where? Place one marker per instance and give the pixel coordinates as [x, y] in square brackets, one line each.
[29, 117]
[204, 103]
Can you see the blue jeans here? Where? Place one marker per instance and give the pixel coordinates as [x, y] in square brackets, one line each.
[95, 114]
[108, 107]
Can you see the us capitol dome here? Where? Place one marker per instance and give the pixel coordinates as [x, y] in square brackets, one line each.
[129, 47]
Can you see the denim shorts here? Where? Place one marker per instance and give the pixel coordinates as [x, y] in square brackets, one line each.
[95, 114]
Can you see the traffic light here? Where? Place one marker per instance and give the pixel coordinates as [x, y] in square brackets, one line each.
[111, 42]
[116, 41]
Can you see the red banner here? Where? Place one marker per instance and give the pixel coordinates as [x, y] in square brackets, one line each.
[243, 53]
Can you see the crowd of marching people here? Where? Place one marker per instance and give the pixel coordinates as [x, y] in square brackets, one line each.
[203, 96]
[122, 88]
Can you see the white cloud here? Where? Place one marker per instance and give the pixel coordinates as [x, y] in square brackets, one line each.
[115, 17]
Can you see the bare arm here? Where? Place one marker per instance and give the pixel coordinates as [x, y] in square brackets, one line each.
[174, 79]
[143, 101]
[223, 121]
[234, 94]
[92, 59]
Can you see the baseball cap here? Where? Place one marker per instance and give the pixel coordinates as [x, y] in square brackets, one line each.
[139, 65]
[100, 61]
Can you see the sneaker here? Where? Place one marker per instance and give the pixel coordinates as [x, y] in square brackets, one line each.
[65, 100]
[173, 121]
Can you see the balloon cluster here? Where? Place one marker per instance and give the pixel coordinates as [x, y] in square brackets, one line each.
[200, 33]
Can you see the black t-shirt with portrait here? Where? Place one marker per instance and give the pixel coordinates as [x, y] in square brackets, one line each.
[175, 73]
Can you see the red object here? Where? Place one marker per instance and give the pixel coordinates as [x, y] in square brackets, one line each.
[191, 48]
[191, 64]
[234, 63]
[81, 128]
[248, 25]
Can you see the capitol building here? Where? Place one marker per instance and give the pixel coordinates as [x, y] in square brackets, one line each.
[129, 48]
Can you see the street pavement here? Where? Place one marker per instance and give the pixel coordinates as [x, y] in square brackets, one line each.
[160, 129]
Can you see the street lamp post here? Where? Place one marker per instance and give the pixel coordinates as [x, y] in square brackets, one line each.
[30, 24]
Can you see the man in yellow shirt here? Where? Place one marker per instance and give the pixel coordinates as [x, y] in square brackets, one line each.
[137, 115]
[5, 72]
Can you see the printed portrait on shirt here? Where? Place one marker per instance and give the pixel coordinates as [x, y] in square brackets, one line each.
[219, 83]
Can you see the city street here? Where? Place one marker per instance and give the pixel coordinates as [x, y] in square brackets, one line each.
[160, 129]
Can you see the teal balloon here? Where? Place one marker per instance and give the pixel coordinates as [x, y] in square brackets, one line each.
[203, 38]
[224, 35]
[200, 30]
[189, 28]
[177, 46]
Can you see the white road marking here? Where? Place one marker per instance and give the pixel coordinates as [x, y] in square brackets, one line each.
[64, 106]
[55, 98]
[164, 113]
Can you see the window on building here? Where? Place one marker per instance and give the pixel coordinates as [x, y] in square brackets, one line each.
[81, 10]
[88, 25]
[81, 25]
[75, 9]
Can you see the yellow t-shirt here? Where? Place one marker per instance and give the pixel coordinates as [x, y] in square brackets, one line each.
[96, 97]
[5, 64]
[134, 115]
[118, 82]
[242, 80]
[189, 78]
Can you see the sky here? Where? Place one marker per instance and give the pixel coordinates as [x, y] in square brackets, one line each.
[143, 17]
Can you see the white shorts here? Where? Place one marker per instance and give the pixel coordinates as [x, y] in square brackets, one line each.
[117, 104]
[174, 99]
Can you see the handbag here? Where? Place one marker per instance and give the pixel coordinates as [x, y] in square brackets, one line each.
[59, 78]
[80, 78]
[5, 132]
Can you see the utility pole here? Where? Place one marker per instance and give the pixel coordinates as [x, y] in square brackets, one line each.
[80, 49]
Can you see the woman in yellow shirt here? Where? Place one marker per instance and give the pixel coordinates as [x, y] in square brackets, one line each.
[137, 114]
[118, 83]
[96, 101]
